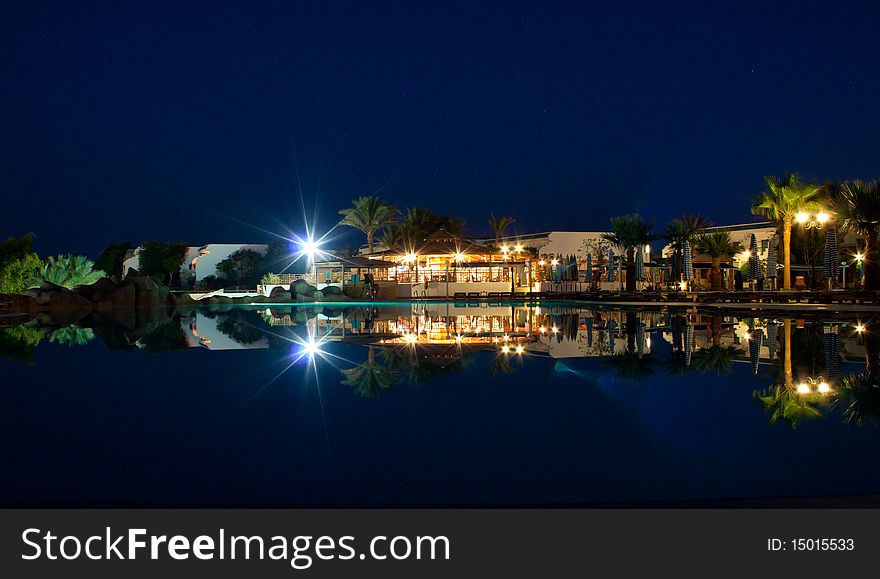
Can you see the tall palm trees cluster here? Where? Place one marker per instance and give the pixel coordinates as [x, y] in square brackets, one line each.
[855, 206]
[406, 230]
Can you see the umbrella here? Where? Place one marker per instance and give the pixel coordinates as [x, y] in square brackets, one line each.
[831, 342]
[588, 276]
[590, 332]
[572, 268]
[755, 348]
[753, 271]
[640, 265]
[771, 339]
[611, 330]
[611, 264]
[688, 343]
[688, 261]
[640, 338]
[771, 259]
[831, 255]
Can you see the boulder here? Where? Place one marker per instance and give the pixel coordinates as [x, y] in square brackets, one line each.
[331, 290]
[302, 287]
[55, 297]
[148, 292]
[98, 290]
[124, 296]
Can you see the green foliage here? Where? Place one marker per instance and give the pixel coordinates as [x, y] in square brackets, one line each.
[785, 404]
[499, 225]
[18, 263]
[19, 342]
[369, 214]
[372, 377]
[860, 396]
[112, 259]
[162, 259]
[715, 359]
[270, 279]
[72, 336]
[243, 264]
[417, 225]
[167, 338]
[784, 197]
[69, 271]
[717, 245]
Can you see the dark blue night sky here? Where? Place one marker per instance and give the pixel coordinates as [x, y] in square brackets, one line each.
[122, 121]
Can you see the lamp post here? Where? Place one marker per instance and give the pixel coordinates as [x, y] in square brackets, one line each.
[812, 220]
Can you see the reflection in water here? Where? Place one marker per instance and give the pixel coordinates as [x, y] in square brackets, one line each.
[437, 404]
[414, 343]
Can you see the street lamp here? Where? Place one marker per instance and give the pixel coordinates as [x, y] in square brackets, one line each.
[812, 220]
[810, 385]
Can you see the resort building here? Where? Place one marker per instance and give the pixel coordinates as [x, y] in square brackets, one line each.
[445, 266]
[199, 262]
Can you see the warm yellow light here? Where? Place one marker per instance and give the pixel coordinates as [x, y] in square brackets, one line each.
[518, 248]
[504, 249]
[412, 338]
[747, 254]
[647, 249]
[860, 328]
[505, 348]
[824, 388]
[506, 337]
[410, 257]
[683, 285]
[542, 262]
[802, 217]
[554, 329]
[648, 341]
[822, 217]
[458, 338]
[747, 336]
[459, 257]
[519, 349]
[543, 330]
[554, 262]
[859, 257]
[803, 388]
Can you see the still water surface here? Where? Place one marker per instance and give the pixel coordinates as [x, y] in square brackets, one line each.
[429, 404]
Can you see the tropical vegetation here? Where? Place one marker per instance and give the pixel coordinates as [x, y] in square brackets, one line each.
[857, 209]
[18, 263]
[629, 233]
[69, 271]
[369, 214]
[781, 201]
[717, 246]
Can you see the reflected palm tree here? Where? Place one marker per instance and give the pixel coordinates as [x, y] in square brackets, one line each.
[676, 364]
[716, 359]
[370, 378]
[501, 364]
[860, 396]
[630, 367]
[784, 403]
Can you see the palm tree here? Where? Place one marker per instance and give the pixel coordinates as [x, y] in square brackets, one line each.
[678, 231]
[717, 359]
[369, 214]
[499, 225]
[628, 233]
[861, 395]
[370, 378]
[857, 205]
[629, 367]
[455, 225]
[717, 245]
[782, 200]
